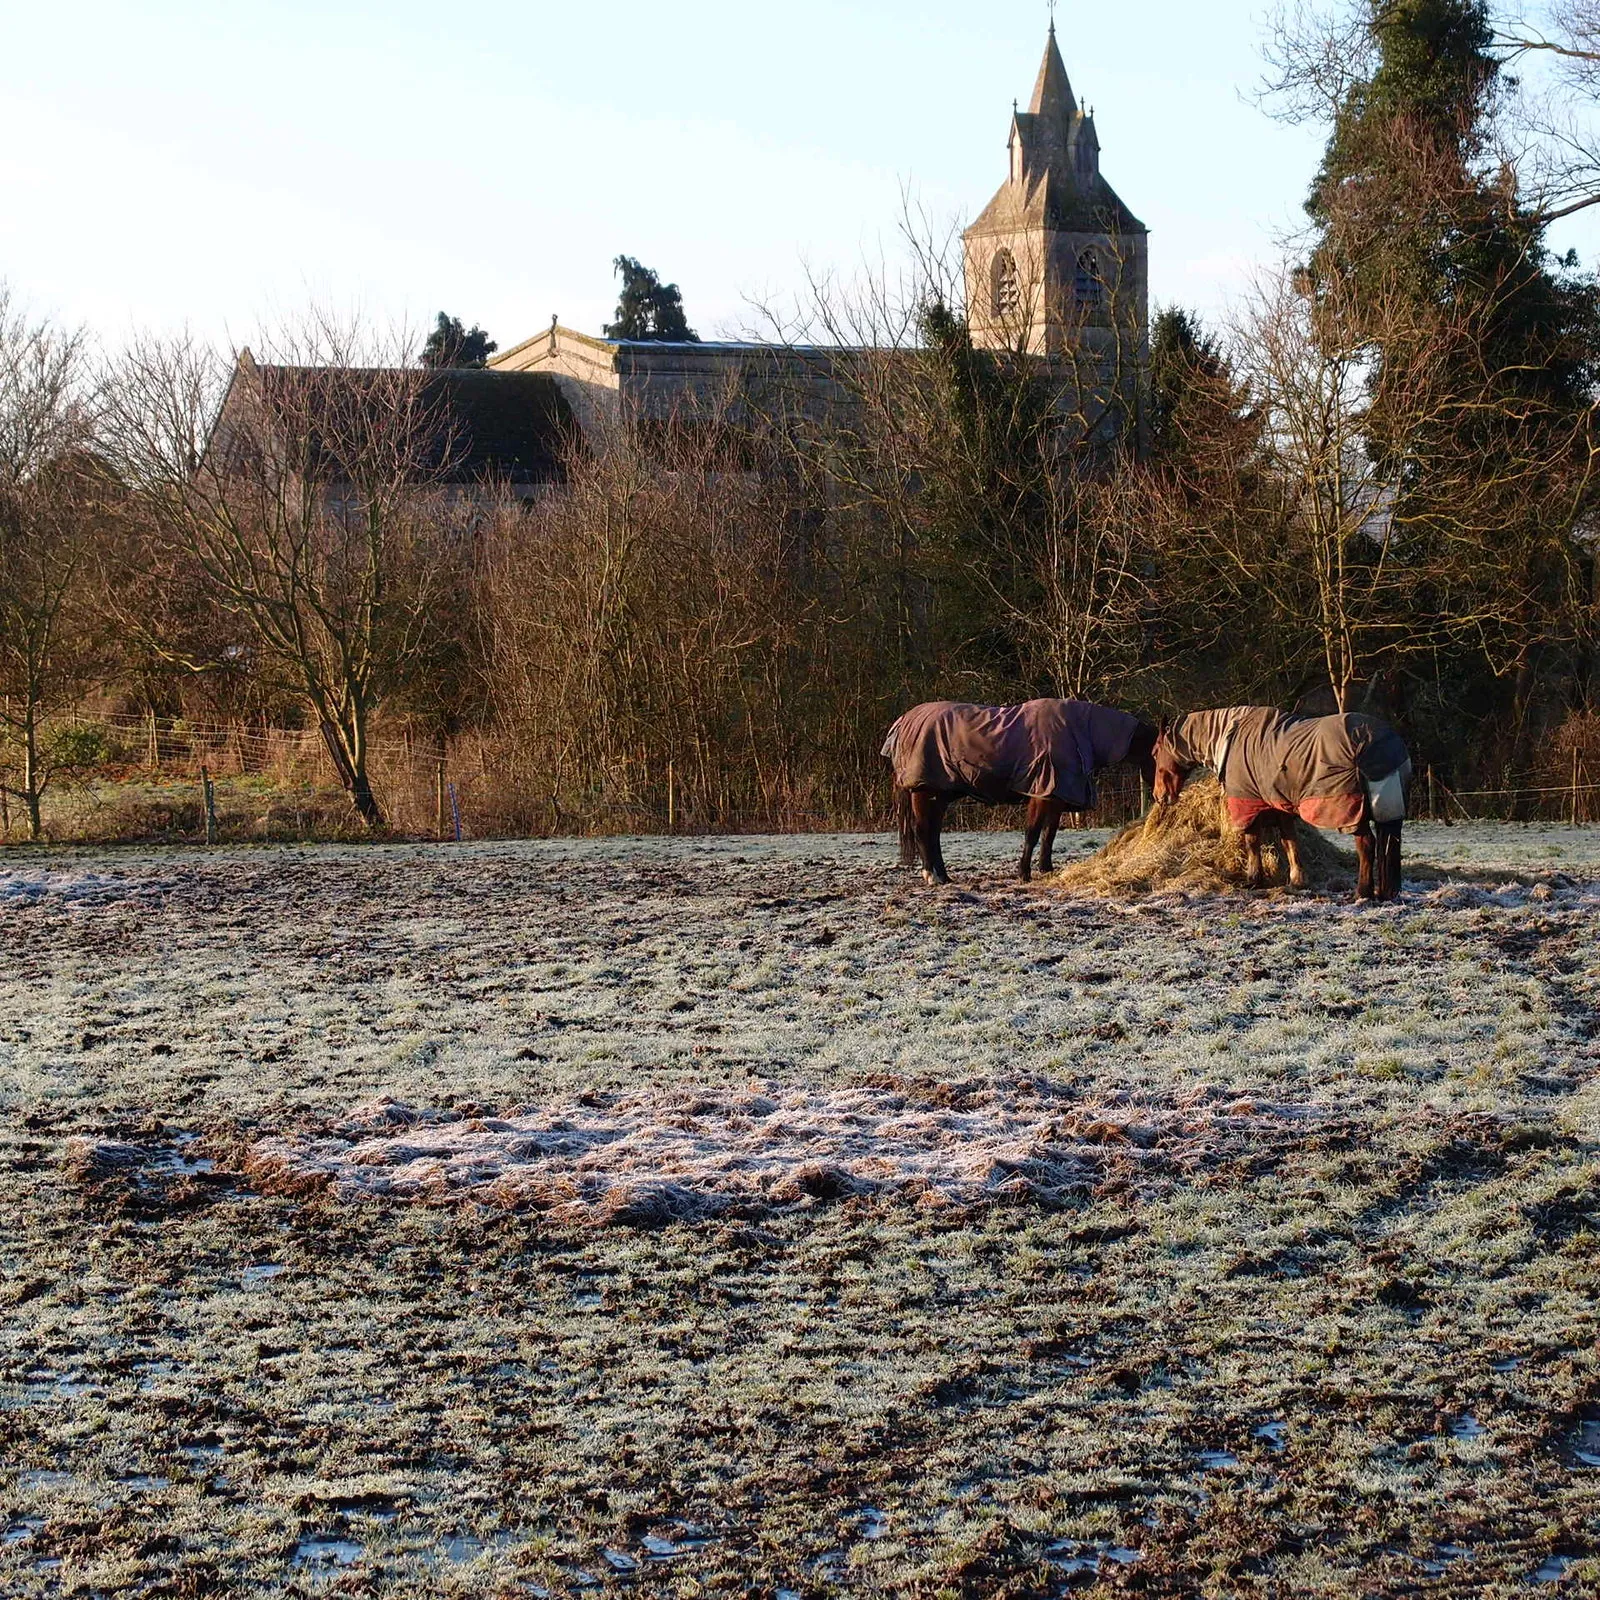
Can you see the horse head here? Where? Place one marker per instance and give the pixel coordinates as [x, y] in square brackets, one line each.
[1141, 752]
[1168, 770]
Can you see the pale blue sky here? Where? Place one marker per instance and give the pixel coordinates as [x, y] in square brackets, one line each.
[167, 161]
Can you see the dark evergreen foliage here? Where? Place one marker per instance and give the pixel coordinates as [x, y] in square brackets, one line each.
[451, 344]
[647, 308]
[1482, 345]
[1183, 357]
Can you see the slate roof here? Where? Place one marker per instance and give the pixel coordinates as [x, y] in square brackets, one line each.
[515, 426]
[511, 427]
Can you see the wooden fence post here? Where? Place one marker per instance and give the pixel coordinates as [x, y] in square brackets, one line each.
[211, 805]
[438, 800]
[1577, 767]
[455, 812]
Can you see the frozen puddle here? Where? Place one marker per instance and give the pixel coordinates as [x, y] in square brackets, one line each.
[684, 1154]
[327, 1553]
[1553, 1570]
[1075, 1556]
[144, 1163]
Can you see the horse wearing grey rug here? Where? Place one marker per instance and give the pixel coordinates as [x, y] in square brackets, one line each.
[1043, 753]
[1347, 772]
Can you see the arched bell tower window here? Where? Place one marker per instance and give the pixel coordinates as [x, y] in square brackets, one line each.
[1006, 287]
[1087, 284]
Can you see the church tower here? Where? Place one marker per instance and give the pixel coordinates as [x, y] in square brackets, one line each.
[1057, 265]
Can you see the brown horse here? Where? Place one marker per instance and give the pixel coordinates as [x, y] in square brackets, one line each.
[1347, 772]
[1043, 753]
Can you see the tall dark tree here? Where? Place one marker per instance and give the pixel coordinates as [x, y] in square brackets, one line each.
[451, 344]
[1186, 365]
[1419, 224]
[647, 308]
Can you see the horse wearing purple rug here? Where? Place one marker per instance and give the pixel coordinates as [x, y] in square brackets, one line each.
[1043, 753]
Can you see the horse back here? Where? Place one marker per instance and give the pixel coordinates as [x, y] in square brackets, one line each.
[1041, 748]
[1325, 768]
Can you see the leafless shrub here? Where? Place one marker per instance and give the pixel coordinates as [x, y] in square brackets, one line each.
[680, 636]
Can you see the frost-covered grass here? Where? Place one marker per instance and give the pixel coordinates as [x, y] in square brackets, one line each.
[1350, 1350]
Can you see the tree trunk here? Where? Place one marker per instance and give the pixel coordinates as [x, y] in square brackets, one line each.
[349, 754]
[30, 776]
[362, 798]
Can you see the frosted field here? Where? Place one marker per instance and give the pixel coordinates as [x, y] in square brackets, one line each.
[736, 1216]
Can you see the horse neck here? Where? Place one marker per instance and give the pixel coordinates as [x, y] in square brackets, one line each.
[1205, 733]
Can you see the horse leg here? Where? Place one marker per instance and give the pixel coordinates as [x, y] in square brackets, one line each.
[1388, 862]
[1291, 853]
[1364, 859]
[925, 831]
[1052, 821]
[928, 812]
[1252, 857]
[941, 804]
[1030, 836]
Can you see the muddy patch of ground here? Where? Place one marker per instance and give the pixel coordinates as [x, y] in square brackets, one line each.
[1265, 1263]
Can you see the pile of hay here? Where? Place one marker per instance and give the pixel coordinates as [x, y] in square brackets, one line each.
[1191, 845]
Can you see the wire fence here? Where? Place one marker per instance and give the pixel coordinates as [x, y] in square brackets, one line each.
[280, 782]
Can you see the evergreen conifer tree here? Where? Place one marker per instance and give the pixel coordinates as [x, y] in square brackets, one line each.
[1481, 345]
[1185, 362]
[1420, 234]
[451, 344]
[647, 308]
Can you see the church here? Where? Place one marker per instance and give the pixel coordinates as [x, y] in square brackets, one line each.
[1055, 273]
[1055, 267]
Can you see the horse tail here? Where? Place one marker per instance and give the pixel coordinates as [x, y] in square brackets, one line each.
[906, 821]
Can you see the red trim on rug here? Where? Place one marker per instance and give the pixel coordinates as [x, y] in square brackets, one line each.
[1242, 811]
[1340, 812]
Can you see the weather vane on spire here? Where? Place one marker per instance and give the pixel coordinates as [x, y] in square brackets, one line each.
[1052, 4]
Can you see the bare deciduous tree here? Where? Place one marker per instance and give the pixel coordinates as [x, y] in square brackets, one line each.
[307, 491]
[52, 495]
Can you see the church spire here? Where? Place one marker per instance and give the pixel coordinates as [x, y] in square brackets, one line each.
[1052, 94]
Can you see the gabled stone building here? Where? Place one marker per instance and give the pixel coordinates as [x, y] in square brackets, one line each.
[1056, 266]
[605, 380]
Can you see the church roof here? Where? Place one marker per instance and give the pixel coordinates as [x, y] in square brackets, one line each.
[511, 426]
[1055, 189]
[1052, 93]
[1058, 201]
[482, 426]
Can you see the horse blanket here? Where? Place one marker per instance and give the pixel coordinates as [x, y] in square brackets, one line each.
[1042, 748]
[1322, 768]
